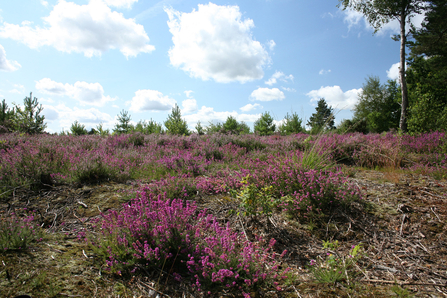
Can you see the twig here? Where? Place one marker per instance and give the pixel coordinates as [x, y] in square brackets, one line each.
[82, 203]
[431, 208]
[402, 224]
[243, 229]
[429, 193]
[146, 285]
[410, 283]
[297, 293]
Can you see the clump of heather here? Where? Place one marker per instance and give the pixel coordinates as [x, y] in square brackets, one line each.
[17, 232]
[155, 232]
[320, 192]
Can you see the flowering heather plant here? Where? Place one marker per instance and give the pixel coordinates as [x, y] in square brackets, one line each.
[320, 192]
[16, 233]
[155, 232]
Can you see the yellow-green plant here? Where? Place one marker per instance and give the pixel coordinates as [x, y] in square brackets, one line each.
[335, 268]
[255, 201]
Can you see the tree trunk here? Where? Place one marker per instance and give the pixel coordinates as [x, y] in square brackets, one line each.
[403, 81]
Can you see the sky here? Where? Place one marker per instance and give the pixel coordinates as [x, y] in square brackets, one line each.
[89, 60]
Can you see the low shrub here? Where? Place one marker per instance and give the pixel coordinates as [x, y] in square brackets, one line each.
[155, 232]
[16, 232]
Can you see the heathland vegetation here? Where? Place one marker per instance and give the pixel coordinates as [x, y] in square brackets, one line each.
[283, 210]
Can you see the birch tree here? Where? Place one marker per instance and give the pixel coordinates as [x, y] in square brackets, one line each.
[380, 12]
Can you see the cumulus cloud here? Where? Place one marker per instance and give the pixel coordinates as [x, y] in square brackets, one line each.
[335, 96]
[249, 107]
[214, 42]
[5, 64]
[278, 75]
[121, 3]
[150, 100]
[86, 93]
[90, 29]
[267, 94]
[207, 114]
[67, 116]
[189, 106]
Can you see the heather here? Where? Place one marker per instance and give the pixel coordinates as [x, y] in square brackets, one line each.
[155, 232]
[222, 159]
[217, 213]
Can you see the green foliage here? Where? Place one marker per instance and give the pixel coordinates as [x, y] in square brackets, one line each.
[315, 157]
[148, 127]
[78, 129]
[292, 125]
[352, 125]
[6, 116]
[123, 126]
[255, 201]
[101, 131]
[199, 128]
[28, 120]
[400, 292]
[427, 85]
[322, 119]
[378, 105]
[231, 125]
[264, 126]
[214, 128]
[431, 38]
[175, 124]
[335, 268]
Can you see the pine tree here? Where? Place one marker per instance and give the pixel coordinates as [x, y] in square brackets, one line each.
[264, 126]
[123, 125]
[175, 124]
[28, 120]
[322, 119]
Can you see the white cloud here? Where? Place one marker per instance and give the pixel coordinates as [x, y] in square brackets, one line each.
[90, 29]
[288, 89]
[267, 94]
[353, 17]
[188, 93]
[86, 93]
[393, 72]
[206, 115]
[214, 43]
[44, 3]
[249, 107]
[271, 44]
[335, 97]
[18, 89]
[67, 116]
[278, 75]
[120, 3]
[322, 72]
[150, 100]
[189, 106]
[5, 64]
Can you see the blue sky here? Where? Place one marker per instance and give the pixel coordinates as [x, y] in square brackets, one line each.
[87, 60]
